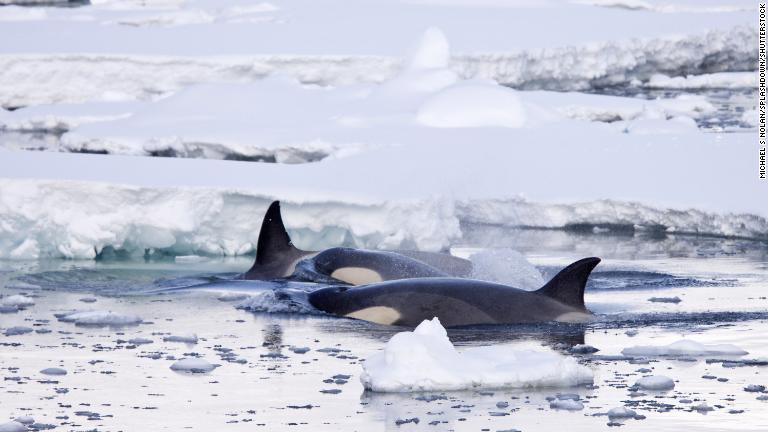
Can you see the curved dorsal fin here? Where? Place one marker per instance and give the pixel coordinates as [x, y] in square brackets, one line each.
[568, 286]
[274, 240]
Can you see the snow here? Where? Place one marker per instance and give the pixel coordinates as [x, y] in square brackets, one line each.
[425, 360]
[655, 382]
[467, 150]
[193, 365]
[100, 318]
[473, 104]
[684, 347]
[156, 50]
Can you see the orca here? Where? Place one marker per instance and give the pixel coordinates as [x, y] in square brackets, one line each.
[461, 302]
[277, 257]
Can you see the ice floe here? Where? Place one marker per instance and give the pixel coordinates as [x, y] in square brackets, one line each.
[684, 347]
[655, 382]
[189, 339]
[193, 365]
[17, 300]
[425, 360]
[13, 426]
[99, 318]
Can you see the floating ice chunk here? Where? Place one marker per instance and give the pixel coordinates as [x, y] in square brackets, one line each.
[12, 426]
[190, 339]
[621, 412]
[89, 299]
[754, 388]
[8, 308]
[140, 341]
[631, 332]
[194, 365]
[683, 347]
[674, 299]
[53, 371]
[18, 300]
[655, 382]
[100, 318]
[473, 104]
[25, 420]
[18, 330]
[425, 360]
[567, 404]
[703, 407]
[583, 349]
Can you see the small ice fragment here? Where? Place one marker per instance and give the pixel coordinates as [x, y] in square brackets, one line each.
[567, 404]
[18, 330]
[655, 382]
[299, 350]
[88, 299]
[194, 365]
[140, 341]
[53, 371]
[12, 426]
[18, 300]
[703, 407]
[754, 388]
[26, 420]
[583, 349]
[674, 299]
[190, 339]
[8, 308]
[621, 412]
[502, 405]
[568, 396]
[762, 398]
[631, 332]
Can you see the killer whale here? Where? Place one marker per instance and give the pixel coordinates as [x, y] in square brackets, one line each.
[277, 257]
[461, 302]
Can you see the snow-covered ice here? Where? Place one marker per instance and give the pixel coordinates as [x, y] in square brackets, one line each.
[684, 347]
[655, 382]
[425, 360]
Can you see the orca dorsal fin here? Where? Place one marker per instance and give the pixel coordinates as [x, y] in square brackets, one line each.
[274, 241]
[568, 286]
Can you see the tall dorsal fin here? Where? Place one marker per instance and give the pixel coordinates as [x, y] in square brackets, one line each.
[274, 240]
[568, 286]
